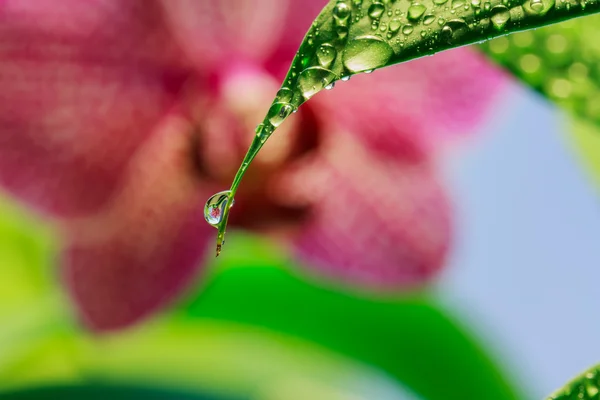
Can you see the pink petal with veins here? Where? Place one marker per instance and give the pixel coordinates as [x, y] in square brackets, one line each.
[138, 252]
[378, 222]
[82, 85]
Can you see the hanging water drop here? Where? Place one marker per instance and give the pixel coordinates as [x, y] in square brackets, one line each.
[346, 78]
[330, 86]
[215, 207]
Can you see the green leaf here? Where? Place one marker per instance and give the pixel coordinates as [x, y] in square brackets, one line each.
[356, 36]
[407, 337]
[585, 387]
[561, 61]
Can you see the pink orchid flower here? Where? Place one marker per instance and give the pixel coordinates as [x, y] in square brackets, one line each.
[118, 119]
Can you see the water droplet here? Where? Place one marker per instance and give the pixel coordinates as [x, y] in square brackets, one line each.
[538, 7]
[326, 54]
[346, 78]
[260, 128]
[500, 16]
[366, 52]
[278, 113]
[330, 86]
[395, 25]
[439, 2]
[407, 29]
[369, 71]
[214, 209]
[342, 11]
[428, 19]
[457, 4]
[415, 11]
[476, 3]
[284, 95]
[313, 80]
[453, 30]
[376, 10]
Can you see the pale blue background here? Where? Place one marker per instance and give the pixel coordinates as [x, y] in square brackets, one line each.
[525, 267]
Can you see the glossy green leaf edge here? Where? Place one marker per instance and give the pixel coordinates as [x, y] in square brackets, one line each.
[584, 387]
[356, 36]
[562, 62]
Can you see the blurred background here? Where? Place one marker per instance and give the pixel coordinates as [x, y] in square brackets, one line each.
[510, 315]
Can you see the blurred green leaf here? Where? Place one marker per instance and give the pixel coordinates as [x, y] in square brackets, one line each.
[27, 250]
[102, 392]
[233, 359]
[585, 387]
[561, 61]
[586, 137]
[409, 338]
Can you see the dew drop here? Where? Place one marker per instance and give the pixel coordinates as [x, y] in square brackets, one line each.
[457, 4]
[326, 54]
[346, 78]
[284, 95]
[279, 112]
[314, 79]
[453, 30]
[428, 19]
[214, 209]
[330, 86]
[440, 2]
[407, 29]
[376, 10]
[342, 11]
[366, 53]
[395, 25]
[500, 16]
[415, 11]
[538, 7]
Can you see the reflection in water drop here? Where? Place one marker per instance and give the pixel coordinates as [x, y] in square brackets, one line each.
[279, 112]
[214, 208]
